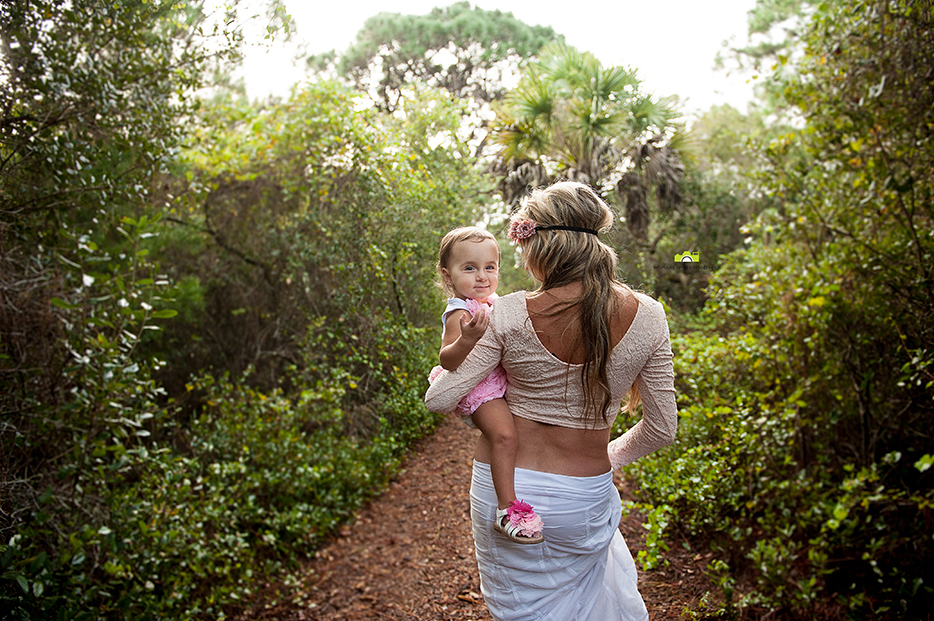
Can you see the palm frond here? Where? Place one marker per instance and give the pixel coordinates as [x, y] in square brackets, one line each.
[683, 142]
[515, 180]
[533, 98]
[649, 114]
[582, 121]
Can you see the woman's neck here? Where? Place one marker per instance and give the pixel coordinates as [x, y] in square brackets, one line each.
[563, 293]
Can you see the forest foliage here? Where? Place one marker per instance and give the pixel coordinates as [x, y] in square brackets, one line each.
[807, 404]
[217, 315]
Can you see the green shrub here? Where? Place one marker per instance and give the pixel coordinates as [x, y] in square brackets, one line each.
[803, 454]
[741, 479]
[294, 267]
[244, 491]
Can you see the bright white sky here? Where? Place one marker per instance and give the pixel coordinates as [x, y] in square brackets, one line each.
[671, 43]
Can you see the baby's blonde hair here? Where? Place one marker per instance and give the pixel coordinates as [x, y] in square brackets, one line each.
[453, 237]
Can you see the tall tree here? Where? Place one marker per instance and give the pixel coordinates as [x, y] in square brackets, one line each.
[466, 51]
[572, 117]
[774, 38]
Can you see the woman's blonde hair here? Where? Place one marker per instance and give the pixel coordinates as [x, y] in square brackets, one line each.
[451, 239]
[560, 257]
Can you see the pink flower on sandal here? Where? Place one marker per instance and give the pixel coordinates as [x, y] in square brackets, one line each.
[523, 517]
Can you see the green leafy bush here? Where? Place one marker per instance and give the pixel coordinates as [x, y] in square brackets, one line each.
[801, 532]
[244, 491]
[123, 493]
[302, 209]
[800, 457]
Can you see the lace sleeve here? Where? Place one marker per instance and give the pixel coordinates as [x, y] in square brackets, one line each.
[659, 407]
[450, 387]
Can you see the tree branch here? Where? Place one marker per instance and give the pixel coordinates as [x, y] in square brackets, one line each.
[218, 238]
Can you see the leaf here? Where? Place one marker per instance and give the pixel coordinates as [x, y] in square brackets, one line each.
[61, 303]
[165, 313]
[924, 463]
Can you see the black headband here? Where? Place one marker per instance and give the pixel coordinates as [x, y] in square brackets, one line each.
[565, 228]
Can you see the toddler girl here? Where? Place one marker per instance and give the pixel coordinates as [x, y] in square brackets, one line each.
[468, 262]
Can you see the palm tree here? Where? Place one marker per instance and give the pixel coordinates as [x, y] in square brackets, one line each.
[572, 118]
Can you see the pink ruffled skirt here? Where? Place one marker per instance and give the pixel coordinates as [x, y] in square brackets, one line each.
[493, 386]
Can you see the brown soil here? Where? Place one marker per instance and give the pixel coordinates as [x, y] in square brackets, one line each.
[409, 555]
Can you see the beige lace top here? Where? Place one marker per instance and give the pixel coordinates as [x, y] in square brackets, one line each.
[545, 389]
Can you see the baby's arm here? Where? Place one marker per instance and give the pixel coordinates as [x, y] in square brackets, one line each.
[451, 386]
[461, 333]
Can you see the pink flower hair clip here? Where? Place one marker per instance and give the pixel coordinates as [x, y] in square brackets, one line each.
[521, 229]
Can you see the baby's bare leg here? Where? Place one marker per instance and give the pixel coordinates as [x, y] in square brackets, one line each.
[494, 419]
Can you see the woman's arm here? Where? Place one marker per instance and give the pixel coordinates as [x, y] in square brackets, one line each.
[656, 383]
[450, 387]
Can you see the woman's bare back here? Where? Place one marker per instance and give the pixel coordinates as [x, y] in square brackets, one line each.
[552, 448]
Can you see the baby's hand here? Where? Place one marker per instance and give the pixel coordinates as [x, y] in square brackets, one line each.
[472, 328]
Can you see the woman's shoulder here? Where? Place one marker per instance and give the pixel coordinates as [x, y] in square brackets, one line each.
[652, 318]
[509, 306]
[650, 306]
[646, 299]
[516, 297]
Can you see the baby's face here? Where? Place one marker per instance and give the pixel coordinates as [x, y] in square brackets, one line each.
[473, 271]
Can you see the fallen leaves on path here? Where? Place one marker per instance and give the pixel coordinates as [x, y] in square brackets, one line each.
[409, 555]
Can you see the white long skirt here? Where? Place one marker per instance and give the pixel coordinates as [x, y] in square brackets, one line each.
[583, 571]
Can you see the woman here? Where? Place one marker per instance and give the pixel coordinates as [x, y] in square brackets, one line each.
[572, 350]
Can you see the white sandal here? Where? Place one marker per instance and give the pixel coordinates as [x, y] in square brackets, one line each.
[522, 524]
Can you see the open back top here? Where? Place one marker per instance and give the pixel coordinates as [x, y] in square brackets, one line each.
[544, 389]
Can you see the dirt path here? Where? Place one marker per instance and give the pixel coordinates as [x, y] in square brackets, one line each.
[409, 556]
